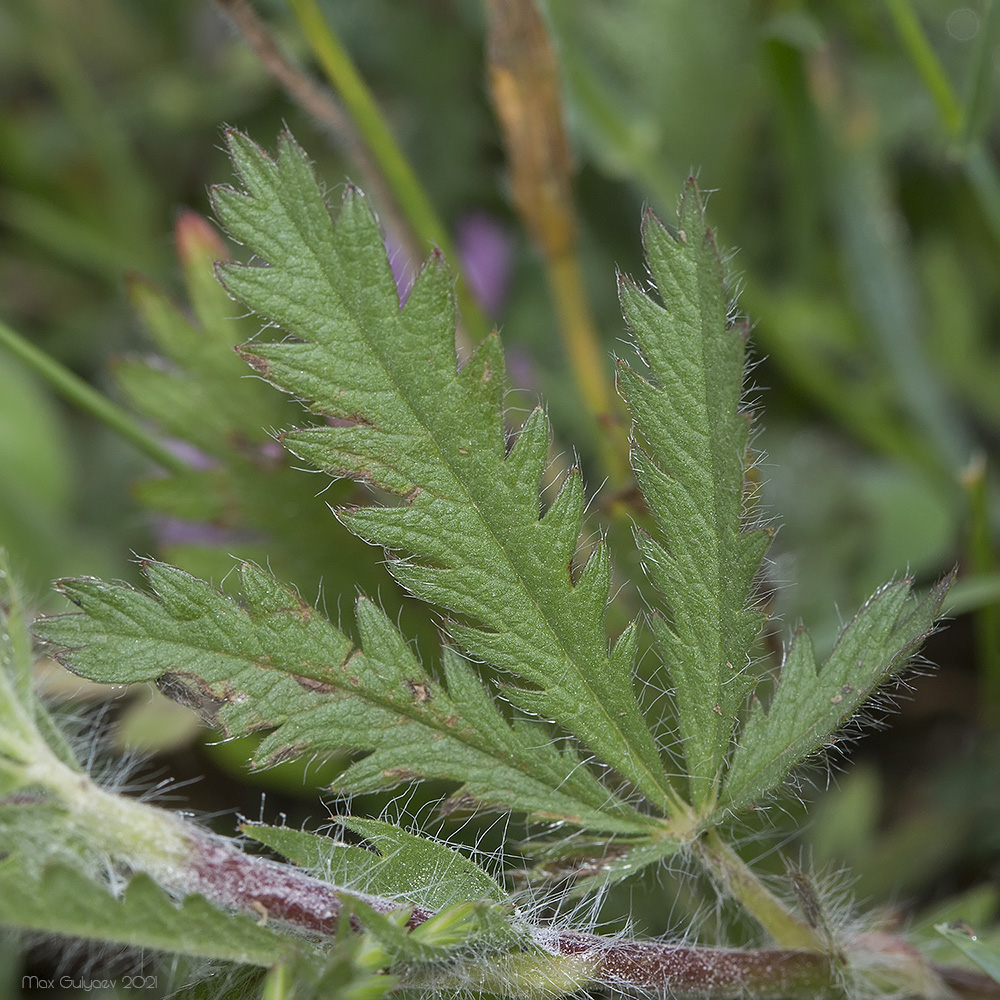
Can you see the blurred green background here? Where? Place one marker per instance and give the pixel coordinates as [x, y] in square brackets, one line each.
[851, 148]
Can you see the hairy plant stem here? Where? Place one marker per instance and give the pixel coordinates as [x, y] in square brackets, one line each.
[742, 884]
[77, 392]
[184, 860]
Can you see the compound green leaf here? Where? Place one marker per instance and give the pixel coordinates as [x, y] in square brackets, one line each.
[402, 416]
[690, 459]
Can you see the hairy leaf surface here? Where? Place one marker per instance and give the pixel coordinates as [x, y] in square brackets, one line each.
[277, 663]
[690, 458]
[408, 421]
[400, 864]
[812, 702]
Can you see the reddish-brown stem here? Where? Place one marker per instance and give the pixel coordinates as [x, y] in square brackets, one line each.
[682, 970]
[226, 875]
[223, 873]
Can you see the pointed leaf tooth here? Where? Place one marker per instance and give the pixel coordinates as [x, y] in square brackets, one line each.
[559, 529]
[411, 526]
[388, 659]
[627, 644]
[184, 596]
[529, 700]
[750, 546]
[496, 648]
[365, 284]
[292, 367]
[364, 454]
[691, 221]
[483, 381]
[266, 593]
[431, 308]
[595, 578]
[451, 588]
[525, 462]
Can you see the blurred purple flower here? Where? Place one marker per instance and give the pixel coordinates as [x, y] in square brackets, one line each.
[171, 531]
[485, 248]
[189, 453]
[403, 272]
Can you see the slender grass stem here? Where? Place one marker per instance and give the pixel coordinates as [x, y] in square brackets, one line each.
[927, 64]
[963, 125]
[981, 173]
[525, 84]
[399, 175]
[317, 101]
[587, 361]
[72, 388]
[979, 90]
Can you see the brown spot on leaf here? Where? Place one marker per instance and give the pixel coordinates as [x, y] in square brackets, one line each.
[194, 692]
[255, 361]
[401, 774]
[311, 684]
[290, 752]
[421, 692]
[351, 420]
